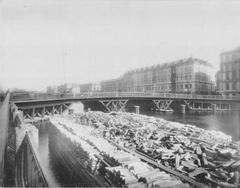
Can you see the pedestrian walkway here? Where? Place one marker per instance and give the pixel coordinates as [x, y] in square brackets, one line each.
[4, 118]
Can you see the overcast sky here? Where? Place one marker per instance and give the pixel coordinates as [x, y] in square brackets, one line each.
[48, 42]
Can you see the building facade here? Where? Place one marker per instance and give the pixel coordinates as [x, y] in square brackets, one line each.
[110, 85]
[162, 78]
[90, 87]
[189, 75]
[183, 76]
[75, 89]
[193, 76]
[228, 77]
[52, 89]
[65, 88]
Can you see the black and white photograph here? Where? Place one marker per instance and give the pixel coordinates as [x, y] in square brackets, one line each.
[120, 93]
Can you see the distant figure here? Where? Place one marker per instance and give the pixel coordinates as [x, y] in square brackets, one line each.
[203, 159]
[198, 152]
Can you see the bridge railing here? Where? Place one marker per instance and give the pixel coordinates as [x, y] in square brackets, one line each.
[162, 95]
[42, 96]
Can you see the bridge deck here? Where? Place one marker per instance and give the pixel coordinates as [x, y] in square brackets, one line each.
[120, 95]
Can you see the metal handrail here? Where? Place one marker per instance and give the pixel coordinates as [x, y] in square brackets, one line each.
[41, 96]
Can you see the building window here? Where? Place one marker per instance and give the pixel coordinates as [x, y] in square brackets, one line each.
[234, 86]
[224, 68]
[227, 86]
[190, 85]
[227, 76]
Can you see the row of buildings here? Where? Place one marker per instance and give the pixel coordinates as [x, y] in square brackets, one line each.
[183, 76]
[189, 75]
[228, 77]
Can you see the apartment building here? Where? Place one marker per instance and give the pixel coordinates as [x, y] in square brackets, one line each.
[228, 77]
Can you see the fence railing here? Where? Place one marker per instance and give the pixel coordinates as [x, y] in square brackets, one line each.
[43, 96]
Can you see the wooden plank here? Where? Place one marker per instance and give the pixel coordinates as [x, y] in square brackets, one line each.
[162, 167]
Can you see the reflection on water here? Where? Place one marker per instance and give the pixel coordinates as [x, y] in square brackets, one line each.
[227, 122]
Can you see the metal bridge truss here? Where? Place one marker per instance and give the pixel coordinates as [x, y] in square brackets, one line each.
[163, 105]
[204, 105]
[42, 111]
[114, 105]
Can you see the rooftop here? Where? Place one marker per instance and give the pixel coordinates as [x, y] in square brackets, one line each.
[235, 50]
[168, 64]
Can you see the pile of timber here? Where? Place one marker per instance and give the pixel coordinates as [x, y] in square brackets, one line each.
[94, 161]
[207, 156]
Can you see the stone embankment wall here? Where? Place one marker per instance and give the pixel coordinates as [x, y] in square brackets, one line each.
[29, 170]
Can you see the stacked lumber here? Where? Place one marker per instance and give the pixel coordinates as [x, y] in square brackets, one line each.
[186, 148]
[89, 150]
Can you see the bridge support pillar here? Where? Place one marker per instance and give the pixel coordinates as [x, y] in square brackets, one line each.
[52, 110]
[163, 105]
[43, 111]
[114, 105]
[229, 107]
[33, 113]
[61, 109]
[189, 104]
[214, 108]
[137, 109]
[183, 109]
[26, 114]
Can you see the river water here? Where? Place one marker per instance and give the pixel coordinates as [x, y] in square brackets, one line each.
[227, 122]
[46, 159]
